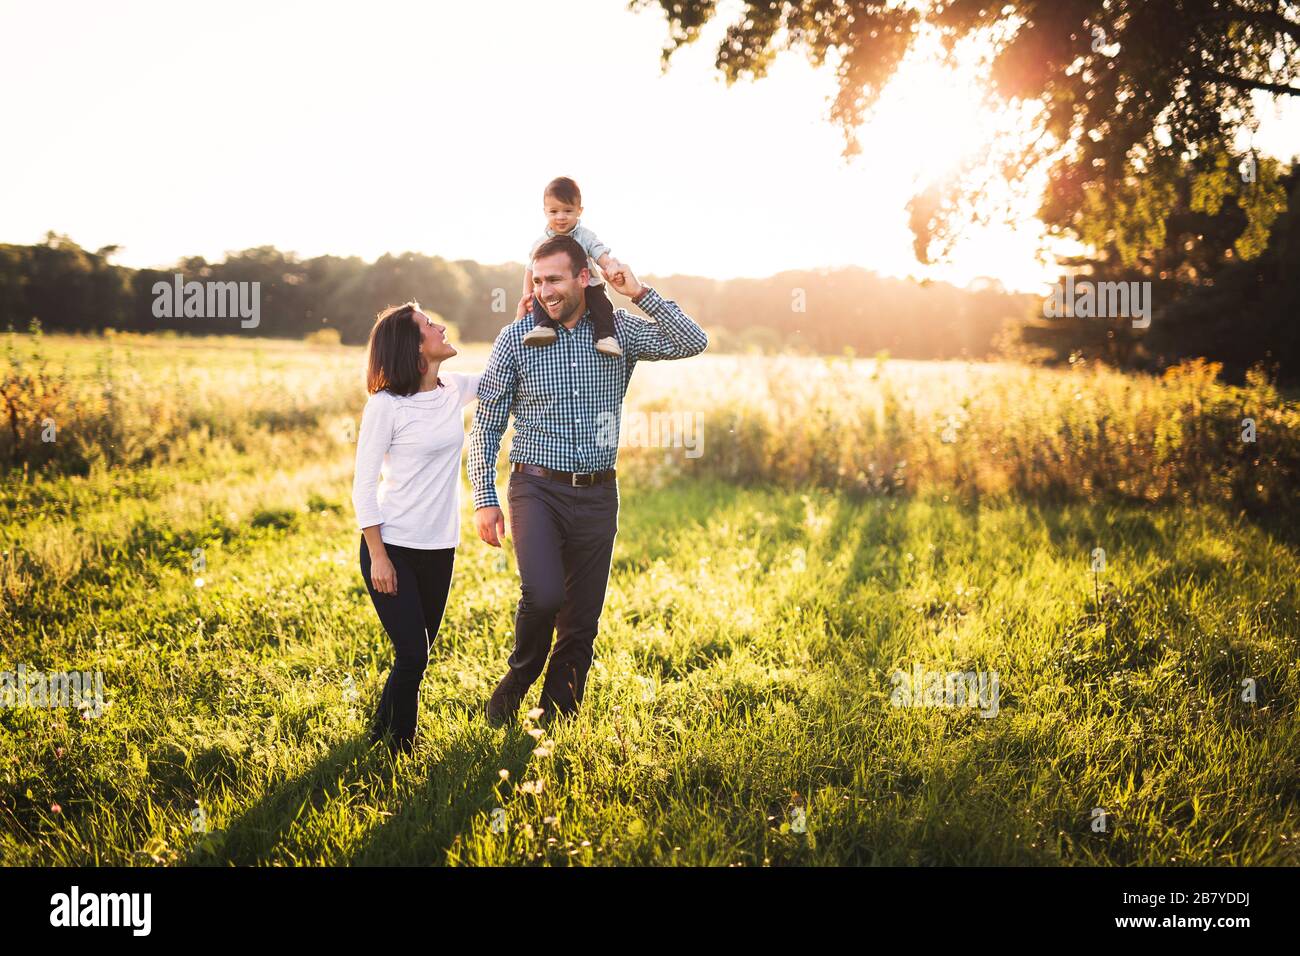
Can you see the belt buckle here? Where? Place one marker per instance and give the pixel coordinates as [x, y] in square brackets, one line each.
[580, 474]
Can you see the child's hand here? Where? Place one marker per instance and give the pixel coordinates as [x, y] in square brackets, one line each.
[623, 280]
[522, 309]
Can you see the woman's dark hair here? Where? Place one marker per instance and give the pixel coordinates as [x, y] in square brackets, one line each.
[394, 362]
[564, 189]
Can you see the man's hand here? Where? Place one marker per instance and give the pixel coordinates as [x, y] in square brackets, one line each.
[491, 525]
[622, 279]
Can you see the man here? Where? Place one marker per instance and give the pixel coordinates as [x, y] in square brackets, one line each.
[563, 494]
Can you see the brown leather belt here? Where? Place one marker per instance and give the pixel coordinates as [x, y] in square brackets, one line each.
[576, 479]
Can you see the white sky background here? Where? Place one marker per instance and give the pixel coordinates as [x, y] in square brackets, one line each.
[357, 129]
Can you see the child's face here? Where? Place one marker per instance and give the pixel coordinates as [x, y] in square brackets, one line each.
[560, 215]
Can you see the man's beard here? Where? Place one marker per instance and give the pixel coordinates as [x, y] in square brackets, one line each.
[572, 308]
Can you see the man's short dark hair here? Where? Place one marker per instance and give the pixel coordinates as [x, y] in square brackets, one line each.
[566, 244]
[564, 189]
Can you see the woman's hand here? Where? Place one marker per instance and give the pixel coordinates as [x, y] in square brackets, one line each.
[383, 576]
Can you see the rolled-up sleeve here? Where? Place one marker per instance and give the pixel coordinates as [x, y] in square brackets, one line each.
[375, 437]
[672, 335]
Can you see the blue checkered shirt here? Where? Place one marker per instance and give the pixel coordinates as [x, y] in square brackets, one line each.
[567, 398]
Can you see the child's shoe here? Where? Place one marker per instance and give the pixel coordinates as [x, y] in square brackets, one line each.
[608, 345]
[539, 336]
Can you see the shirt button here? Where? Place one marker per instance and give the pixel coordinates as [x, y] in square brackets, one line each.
[575, 364]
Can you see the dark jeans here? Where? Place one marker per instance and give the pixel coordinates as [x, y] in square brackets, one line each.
[411, 617]
[602, 312]
[564, 541]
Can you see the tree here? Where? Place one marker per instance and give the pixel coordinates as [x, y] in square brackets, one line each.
[1128, 94]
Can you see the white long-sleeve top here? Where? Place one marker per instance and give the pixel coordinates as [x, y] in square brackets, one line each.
[413, 443]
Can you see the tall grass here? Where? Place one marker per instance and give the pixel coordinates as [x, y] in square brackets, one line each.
[1089, 433]
[73, 405]
[854, 426]
[844, 521]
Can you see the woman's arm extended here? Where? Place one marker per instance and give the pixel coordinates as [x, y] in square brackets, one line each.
[527, 297]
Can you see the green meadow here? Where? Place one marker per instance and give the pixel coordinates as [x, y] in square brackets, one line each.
[188, 533]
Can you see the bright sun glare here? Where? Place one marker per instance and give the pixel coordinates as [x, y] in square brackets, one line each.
[935, 115]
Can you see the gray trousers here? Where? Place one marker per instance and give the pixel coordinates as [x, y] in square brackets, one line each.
[564, 542]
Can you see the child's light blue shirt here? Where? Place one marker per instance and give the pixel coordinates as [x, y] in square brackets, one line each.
[585, 238]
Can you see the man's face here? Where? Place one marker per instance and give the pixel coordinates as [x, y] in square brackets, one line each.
[562, 294]
[560, 216]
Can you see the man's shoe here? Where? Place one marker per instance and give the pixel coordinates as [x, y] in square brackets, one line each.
[609, 345]
[503, 706]
[539, 336]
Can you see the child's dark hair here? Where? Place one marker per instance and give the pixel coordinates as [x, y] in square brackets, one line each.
[565, 190]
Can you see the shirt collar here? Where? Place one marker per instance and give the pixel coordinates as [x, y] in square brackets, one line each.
[585, 317]
[551, 233]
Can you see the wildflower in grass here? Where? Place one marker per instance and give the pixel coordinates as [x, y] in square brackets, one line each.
[503, 774]
[531, 786]
[550, 821]
[541, 751]
[55, 808]
[535, 713]
[536, 733]
[798, 820]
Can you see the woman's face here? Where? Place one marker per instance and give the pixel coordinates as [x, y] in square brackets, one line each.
[433, 338]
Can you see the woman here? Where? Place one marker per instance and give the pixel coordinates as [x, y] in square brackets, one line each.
[412, 431]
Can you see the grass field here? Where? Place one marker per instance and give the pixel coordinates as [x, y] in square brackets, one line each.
[741, 708]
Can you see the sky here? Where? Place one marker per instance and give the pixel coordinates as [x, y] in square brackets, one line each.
[176, 129]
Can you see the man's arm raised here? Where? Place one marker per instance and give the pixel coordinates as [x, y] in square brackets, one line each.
[673, 334]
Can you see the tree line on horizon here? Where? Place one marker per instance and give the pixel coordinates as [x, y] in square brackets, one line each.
[71, 289]
[1245, 315]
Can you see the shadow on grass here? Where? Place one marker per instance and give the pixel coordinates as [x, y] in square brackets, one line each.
[434, 799]
[428, 797]
[438, 798]
[252, 837]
